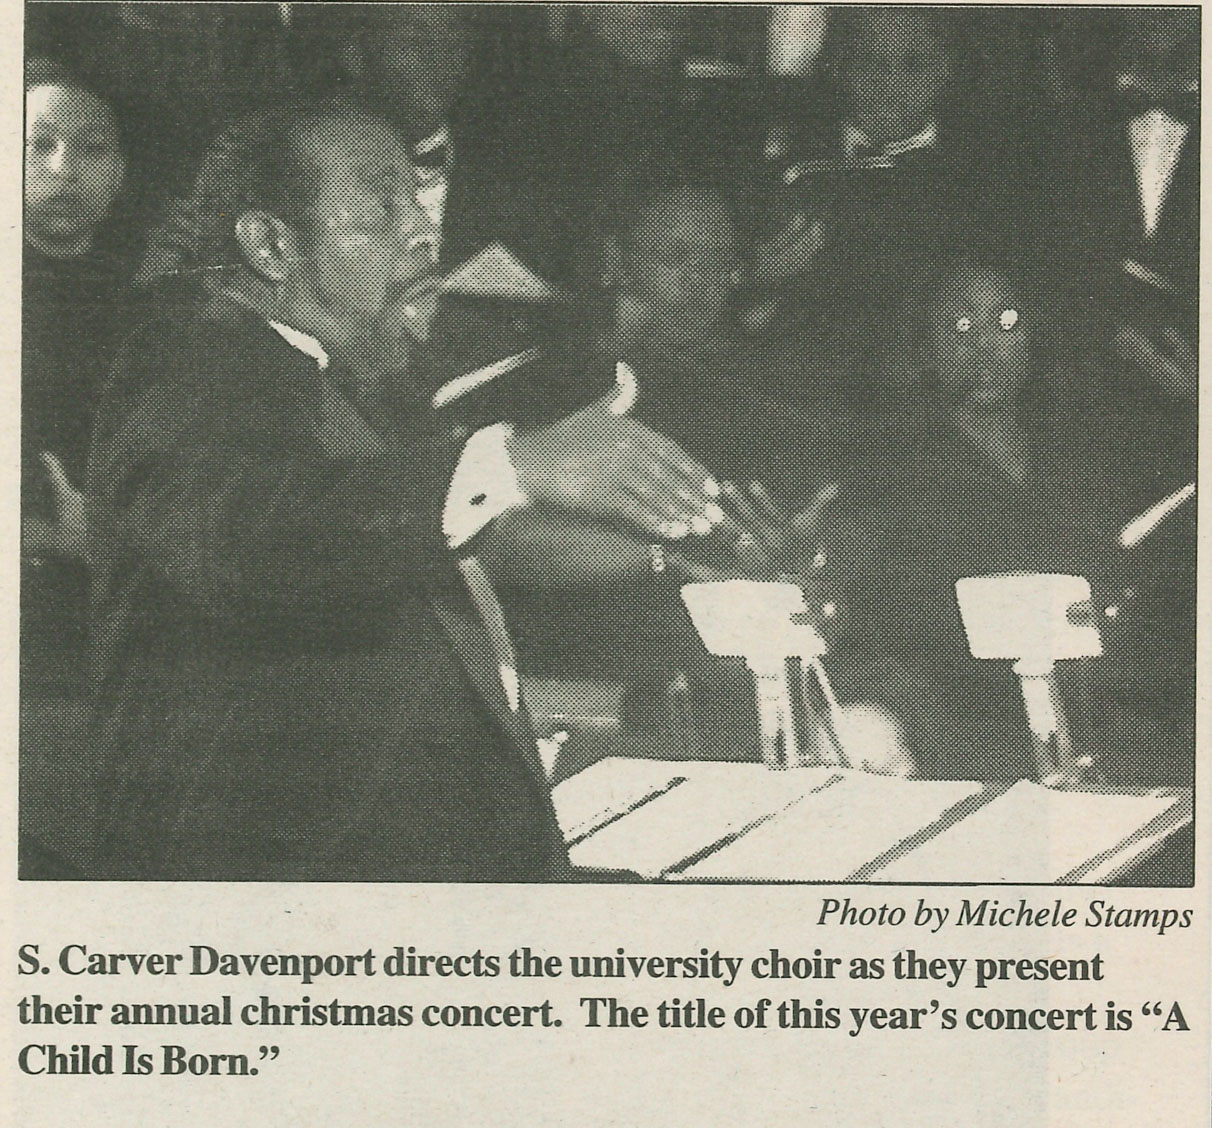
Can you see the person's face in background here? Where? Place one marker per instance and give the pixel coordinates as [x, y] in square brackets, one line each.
[413, 61]
[646, 35]
[894, 67]
[1159, 52]
[980, 338]
[679, 262]
[364, 279]
[73, 167]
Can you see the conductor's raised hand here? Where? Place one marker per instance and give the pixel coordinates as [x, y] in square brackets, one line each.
[611, 467]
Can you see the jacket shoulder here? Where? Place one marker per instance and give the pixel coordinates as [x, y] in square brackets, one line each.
[199, 352]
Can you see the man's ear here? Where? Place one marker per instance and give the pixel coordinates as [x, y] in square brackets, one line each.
[270, 247]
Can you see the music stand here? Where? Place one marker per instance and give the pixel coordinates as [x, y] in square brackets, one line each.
[765, 624]
[1035, 620]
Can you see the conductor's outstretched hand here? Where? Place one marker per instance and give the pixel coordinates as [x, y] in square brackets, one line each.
[612, 468]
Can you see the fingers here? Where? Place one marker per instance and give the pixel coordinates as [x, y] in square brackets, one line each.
[627, 471]
[677, 464]
[676, 519]
[807, 521]
[753, 524]
[1181, 377]
[643, 516]
[677, 504]
[631, 489]
[684, 481]
[771, 508]
[668, 510]
[1171, 363]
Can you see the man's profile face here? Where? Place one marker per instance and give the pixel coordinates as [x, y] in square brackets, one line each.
[895, 67]
[367, 265]
[73, 165]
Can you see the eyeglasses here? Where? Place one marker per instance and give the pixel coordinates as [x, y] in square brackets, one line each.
[1007, 320]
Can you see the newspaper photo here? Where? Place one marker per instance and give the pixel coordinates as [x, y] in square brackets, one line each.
[519, 503]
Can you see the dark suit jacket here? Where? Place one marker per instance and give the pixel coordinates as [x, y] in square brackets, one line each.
[1091, 202]
[1114, 202]
[290, 682]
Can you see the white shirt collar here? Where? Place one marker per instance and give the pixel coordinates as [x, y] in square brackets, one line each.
[854, 138]
[304, 342]
[1157, 142]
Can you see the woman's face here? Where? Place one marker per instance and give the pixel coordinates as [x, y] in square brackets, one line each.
[981, 345]
[73, 165]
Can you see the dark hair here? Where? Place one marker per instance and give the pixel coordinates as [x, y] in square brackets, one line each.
[650, 178]
[846, 25]
[983, 258]
[848, 22]
[256, 165]
[44, 69]
[621, 204]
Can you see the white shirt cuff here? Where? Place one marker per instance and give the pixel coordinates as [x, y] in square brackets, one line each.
[484, 485]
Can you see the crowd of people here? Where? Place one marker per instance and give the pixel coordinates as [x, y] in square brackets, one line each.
[929, 277]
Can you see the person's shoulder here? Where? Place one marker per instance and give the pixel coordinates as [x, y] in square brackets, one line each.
[201, 329]
[188, 351]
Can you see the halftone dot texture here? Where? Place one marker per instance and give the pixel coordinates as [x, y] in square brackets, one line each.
[296, 682]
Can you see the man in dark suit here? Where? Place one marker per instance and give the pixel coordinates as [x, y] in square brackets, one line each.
[883, 167]
[1141, 140]
[1127, 179]
[300, 671]
[1121, 192]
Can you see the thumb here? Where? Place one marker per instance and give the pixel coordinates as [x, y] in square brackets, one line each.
[809, 518]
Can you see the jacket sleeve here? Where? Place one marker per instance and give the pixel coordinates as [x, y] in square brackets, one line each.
[216, 495]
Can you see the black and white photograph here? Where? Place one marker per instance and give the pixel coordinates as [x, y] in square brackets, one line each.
[609, 443]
